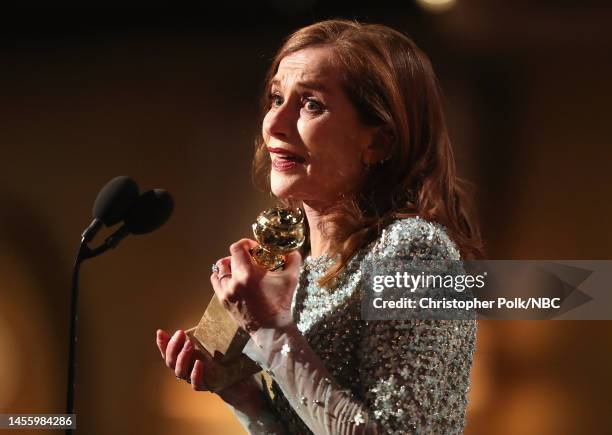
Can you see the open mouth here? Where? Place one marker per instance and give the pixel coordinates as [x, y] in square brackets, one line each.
[283, 155]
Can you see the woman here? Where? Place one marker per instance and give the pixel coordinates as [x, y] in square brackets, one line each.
[353, 132]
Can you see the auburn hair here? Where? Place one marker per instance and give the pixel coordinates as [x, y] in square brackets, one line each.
[391, 83]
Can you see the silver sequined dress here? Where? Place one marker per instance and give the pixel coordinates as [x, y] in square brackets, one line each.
[335, 373]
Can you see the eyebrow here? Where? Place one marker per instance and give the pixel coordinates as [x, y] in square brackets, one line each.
[316, 86]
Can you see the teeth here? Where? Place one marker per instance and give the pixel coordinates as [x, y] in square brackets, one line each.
[287, 157]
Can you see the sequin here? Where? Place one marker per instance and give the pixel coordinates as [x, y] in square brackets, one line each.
[285, 349]
[359, 419]
[409, 376]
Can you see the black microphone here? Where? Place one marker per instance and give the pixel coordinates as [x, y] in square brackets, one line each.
[149, 212]
[111, 205]
[117, 201]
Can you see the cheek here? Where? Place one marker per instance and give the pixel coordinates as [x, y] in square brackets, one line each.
[334, 151]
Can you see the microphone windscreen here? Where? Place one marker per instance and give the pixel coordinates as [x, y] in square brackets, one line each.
[115, 200]
[150, 211]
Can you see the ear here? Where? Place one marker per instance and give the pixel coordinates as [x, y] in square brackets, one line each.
[380, 148]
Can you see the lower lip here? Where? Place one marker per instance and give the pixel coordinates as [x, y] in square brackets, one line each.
[284, 165]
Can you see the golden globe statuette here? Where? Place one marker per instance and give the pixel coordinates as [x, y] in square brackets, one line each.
[217, 338]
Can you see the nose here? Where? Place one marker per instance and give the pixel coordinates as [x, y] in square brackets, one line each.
[280, 122]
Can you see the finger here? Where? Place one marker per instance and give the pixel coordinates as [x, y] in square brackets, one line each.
[162, 341]
[240, 256]
[225, 271]
[293, 261]
[174, 347]
[197, 376]
[224, 265]
[214, 280]
[184, 360]
[224, 268]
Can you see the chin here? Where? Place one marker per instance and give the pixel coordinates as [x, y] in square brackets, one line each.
[293, 187]
[281, 186]
[282, 192]
[285, 190]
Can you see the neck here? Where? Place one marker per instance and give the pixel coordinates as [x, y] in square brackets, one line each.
[319, 241]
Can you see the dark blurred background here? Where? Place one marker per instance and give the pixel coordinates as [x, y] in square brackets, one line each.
[170, 98]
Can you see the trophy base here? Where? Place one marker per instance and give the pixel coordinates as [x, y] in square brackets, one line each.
[221, 372]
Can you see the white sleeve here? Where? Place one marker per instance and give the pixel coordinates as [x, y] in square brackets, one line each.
[253, 409]
[323, 405]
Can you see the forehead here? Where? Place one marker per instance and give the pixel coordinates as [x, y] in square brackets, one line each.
[308, 64]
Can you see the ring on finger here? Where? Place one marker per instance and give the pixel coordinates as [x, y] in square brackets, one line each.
[220, 277]
[215, 268]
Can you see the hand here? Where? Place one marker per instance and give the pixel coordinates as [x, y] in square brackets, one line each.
[255, 297]
[178, 353]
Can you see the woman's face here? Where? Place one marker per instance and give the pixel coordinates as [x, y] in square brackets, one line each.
[312, 131]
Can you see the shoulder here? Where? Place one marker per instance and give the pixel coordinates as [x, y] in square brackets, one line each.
[415, 237]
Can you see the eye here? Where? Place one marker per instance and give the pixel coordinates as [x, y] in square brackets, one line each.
[276, 100]
[313, 105]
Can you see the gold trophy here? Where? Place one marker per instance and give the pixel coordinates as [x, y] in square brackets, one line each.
[217, 339]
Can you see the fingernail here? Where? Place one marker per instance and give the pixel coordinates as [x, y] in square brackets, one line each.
[187, 344]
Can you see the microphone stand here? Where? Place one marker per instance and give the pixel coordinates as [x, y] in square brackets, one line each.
[84, 253]
[73, 332]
